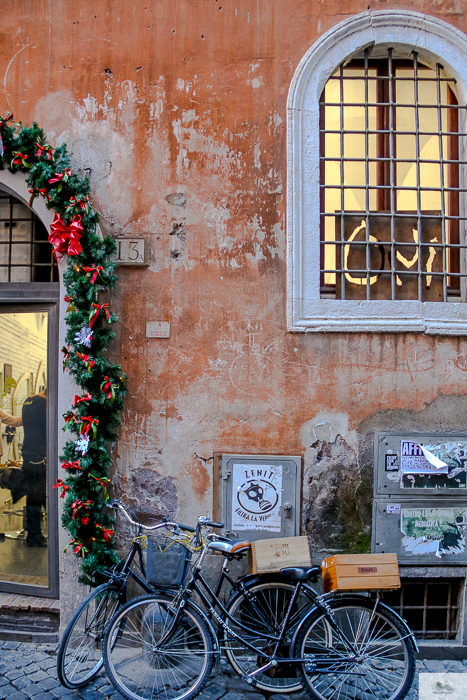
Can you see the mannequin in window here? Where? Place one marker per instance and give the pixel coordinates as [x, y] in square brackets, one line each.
[34, 452]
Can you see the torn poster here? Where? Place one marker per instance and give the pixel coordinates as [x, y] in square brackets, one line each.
[437, 531]
[420, 459]
[256, 497]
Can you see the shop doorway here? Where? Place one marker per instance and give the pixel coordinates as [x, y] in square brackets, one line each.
[28, 403]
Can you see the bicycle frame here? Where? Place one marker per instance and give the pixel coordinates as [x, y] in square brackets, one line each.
[193, 584]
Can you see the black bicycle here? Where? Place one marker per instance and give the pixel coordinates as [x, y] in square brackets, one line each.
[80, 652]
[170, 547]
[159, 646]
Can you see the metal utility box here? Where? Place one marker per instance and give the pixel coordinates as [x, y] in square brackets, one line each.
[261, 495]
[403, 469]
[422, 532]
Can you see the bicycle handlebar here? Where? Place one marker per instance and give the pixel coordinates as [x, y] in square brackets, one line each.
[116, 504]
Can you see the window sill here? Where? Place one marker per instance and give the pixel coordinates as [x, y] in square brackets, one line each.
[337, 316]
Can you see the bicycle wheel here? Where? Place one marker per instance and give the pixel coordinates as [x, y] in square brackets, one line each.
[263, 611]
[79, 657]
[369, 654]
[142, 668]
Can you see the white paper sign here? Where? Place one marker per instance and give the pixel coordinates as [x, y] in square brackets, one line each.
[256, 497]
[393, 508]
[417, 459]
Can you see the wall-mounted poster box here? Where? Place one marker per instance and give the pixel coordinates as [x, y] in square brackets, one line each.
[420, 464]
[421, 532]
[261, 495]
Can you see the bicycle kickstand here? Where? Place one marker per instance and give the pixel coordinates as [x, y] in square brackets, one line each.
[250, 677]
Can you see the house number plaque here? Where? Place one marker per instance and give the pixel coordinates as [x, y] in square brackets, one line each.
[130, 251]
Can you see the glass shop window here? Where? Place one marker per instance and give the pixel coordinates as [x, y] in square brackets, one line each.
[392, 138]
[23, 447]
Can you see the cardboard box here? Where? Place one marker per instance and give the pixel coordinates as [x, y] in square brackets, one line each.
[277, 553]
[360, 572]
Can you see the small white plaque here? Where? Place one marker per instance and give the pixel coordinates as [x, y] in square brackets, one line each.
[393, 508]
[130, 251]
[158, 329]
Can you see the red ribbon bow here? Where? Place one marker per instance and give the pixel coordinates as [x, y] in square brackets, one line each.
[110, 388]
[87, 361]
[77, 506]
[72, 465]
[79, 399]
[61, 485]
[79, 549]
[69, 417]
[89, 423]
[78, 202]
[96, 270]
[66, 356]
[48, 149]
[4, 121]
[60, 176]
[69, 301]
[107, 532]
[64, 237]
[94, 314]
[34, 192]
[102, 482]
[21, 159]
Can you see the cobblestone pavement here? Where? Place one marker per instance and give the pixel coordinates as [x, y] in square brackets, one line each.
[29, 671]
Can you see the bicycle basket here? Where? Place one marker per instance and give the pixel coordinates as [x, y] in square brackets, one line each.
[167, 567]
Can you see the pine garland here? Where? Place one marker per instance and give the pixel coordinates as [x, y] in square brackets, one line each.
[94, 417]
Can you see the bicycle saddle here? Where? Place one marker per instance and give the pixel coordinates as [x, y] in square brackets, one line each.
[230, 547]
[301, 573]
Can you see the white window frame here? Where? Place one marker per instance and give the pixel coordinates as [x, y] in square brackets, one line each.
[436, 42]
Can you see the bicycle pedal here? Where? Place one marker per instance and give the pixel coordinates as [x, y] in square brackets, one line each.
[249, 679]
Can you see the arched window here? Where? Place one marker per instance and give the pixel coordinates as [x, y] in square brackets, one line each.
[25, 252]
[376, 208]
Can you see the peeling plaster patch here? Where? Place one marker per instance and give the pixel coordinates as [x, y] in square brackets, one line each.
[279, 235]
[325, 427]
[89, 108]
[257, 156]
[191, 140]
[199, 473]
[156, 108]
[256, 83]
[149, 493]
[274, 121]
[177, 199]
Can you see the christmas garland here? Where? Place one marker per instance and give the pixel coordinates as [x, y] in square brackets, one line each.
[93, 419]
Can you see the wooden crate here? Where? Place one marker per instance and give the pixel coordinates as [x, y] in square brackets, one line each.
[360, 572]
[277, 553]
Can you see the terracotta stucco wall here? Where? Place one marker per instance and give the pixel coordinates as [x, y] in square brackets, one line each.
[177, 110]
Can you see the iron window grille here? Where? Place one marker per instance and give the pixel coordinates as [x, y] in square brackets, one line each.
[392, 139]
[25, 252]
[431, 608]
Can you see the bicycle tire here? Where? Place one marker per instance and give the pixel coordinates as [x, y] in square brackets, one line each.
[79, 658]
[385, 664]
[138, 670]
[265, 613]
